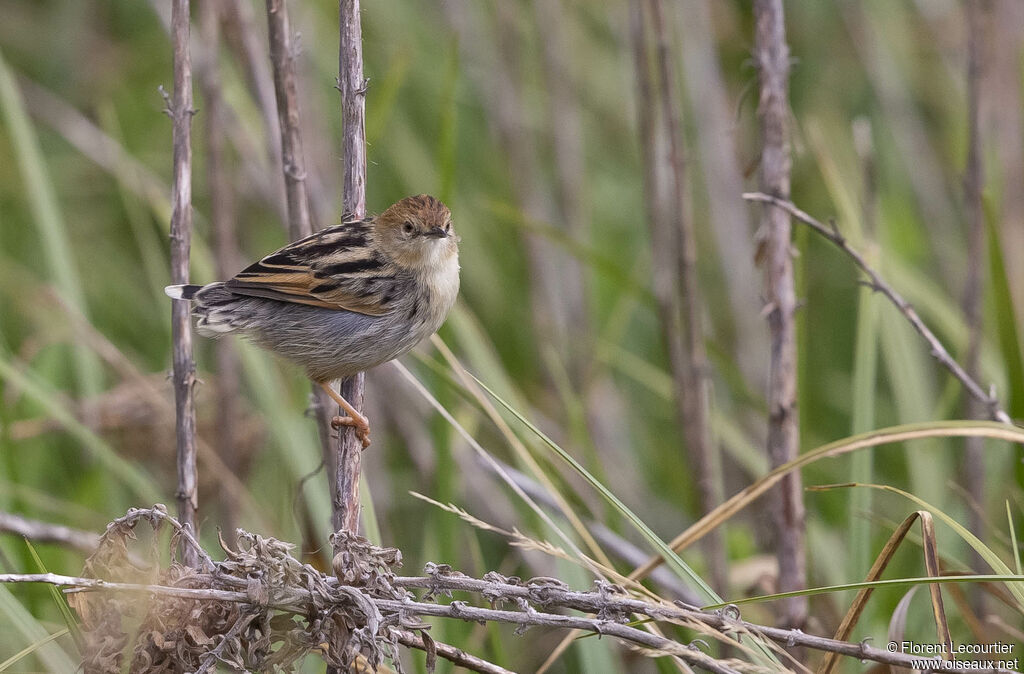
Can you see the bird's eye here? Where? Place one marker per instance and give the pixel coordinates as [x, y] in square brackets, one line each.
[407, 227]
[448, 227]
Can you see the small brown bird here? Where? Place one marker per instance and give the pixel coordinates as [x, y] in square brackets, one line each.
[345, 299]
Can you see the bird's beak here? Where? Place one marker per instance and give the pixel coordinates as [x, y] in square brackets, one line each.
[436, 232]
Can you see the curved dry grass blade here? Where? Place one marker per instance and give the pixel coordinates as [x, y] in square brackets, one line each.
[986, 553]
[893, 434]
[931, 562]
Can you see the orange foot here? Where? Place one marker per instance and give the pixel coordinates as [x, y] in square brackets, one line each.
[354, 418]
[361, 425]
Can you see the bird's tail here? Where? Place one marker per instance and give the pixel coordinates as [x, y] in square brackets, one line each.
[182, 292]
[213, 306]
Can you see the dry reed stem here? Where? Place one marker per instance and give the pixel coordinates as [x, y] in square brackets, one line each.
[353, 111]
[771, 56]
[179, 108]
[534, 600]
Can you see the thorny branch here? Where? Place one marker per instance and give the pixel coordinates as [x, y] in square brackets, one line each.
[369, 611]
[938, 351]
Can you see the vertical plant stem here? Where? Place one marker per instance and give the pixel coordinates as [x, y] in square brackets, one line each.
[292, 161]
[722, 177]
[974, 180]
[684, 328]
[293, 166]
[180, 110]
[222, 218]
[353, 111]
[771, 56]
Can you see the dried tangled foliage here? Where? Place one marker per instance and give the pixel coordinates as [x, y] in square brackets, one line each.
[267, 632]
[260, 609]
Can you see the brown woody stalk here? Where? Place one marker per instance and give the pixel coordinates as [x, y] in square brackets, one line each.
[974, 181]
[536, 600]
[179, 108]
[44, 532]
[689, 362]
[771, 56]
[353, 111]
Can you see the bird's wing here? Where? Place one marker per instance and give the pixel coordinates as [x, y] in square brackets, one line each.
[336, 268]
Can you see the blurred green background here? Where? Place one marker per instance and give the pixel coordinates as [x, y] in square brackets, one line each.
[522, 117]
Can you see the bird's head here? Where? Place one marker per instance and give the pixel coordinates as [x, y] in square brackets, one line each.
[417, 233]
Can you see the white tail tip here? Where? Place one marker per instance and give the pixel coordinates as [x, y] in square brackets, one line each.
[175, 292]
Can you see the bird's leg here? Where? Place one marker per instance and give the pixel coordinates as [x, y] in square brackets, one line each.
[354, 418]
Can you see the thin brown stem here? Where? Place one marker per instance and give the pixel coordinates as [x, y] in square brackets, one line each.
[456, 656]
[877, 283]
[727, 220]
[293, 163]
[179, 108]
[685, 328]
[771, 56]
[353, 112]
[535, 600]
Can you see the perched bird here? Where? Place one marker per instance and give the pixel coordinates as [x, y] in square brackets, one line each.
[345, 299]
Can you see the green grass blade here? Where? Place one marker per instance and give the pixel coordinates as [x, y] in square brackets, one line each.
[144, 487]
[1011, 580]
[677, 564]
[30, 649]
[53, 232]
[1013, 539]
[1010, 345]
[14, 616]
[58, 599]
[865, 367]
